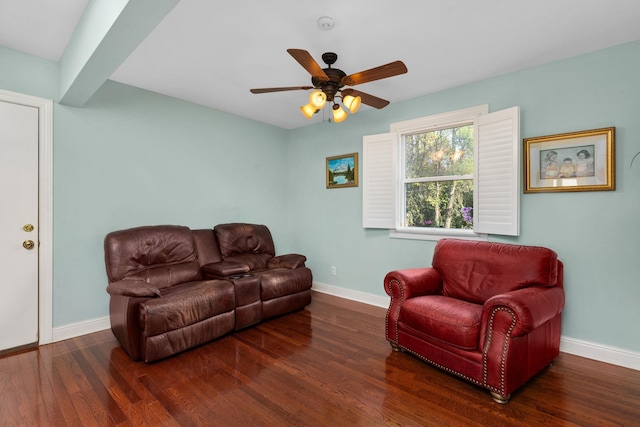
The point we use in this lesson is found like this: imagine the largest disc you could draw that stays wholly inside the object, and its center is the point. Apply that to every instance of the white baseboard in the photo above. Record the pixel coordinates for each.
(73, 330)
(350, 294)
(602, 353)
(590, 350)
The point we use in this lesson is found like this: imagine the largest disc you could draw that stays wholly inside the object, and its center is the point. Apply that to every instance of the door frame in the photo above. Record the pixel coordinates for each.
(45, 208)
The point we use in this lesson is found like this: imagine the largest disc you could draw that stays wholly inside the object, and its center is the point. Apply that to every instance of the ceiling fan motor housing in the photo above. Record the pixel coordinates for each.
(333, 85)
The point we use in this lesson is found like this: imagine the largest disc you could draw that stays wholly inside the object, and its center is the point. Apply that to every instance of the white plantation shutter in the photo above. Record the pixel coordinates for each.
(497, 173)
(379, 181)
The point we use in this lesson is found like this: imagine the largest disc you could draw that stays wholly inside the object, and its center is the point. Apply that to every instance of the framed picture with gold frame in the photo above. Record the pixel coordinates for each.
(342, 171)
(575, 161)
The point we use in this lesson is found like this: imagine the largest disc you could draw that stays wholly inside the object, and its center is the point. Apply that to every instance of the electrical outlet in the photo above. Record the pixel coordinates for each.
(333, 270)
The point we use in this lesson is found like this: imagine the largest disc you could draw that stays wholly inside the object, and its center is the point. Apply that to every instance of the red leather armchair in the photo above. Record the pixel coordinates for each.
(487, 312)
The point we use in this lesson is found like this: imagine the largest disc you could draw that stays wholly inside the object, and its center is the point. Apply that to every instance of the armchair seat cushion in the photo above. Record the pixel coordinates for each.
(186, 305)
(445, 319)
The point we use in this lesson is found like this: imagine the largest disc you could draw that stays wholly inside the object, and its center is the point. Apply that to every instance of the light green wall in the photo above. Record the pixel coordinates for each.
(594, 233)
(131, 157)
(27, 74)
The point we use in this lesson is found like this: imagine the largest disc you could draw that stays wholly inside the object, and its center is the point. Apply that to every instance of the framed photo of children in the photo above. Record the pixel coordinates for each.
(575, 161)
(342, 171)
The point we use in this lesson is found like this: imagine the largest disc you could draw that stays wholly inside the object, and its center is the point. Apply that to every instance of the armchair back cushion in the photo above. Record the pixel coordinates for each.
(477, 271)
(162, 255)
(249, 244)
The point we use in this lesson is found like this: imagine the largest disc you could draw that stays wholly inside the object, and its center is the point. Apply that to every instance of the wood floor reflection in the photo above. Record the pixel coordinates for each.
(327, 365)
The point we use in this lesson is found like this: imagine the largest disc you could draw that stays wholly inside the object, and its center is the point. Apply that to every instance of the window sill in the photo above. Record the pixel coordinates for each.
(435, 234)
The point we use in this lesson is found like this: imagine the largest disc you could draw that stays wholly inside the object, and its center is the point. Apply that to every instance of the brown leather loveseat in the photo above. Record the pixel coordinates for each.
(172, 288)
(490, 313)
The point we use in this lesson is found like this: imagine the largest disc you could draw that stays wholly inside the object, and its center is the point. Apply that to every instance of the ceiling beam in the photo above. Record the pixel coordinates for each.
(107, 33)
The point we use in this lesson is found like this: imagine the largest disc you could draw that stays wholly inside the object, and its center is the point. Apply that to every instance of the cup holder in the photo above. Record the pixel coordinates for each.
(239, 276)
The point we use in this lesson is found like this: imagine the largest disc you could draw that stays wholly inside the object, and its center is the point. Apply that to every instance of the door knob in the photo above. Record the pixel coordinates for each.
(28, 227)
(28, 244)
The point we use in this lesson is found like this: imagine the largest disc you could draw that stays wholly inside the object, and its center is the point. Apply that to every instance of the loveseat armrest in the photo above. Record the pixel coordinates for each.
(224, 269)
(290, 261)
(133, 288)
(531, 307)
(401, 285)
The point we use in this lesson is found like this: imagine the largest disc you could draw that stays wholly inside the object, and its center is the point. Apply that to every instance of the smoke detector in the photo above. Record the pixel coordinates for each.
(325, 23)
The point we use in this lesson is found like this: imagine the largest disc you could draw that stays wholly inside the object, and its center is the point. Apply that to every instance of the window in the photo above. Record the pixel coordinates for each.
(437, 178)
(452, 174)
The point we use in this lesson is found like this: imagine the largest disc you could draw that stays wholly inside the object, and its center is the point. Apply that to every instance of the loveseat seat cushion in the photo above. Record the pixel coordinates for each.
(185, 305)
(280, 282)
(249, 244)
(445, 319)
(476, 271)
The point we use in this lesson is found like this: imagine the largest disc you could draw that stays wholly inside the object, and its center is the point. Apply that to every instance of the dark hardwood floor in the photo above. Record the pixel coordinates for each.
(327, 365)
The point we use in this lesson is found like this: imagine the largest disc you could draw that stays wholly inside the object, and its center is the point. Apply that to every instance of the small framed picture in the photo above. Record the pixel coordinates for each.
(575, 161)
(342, 171)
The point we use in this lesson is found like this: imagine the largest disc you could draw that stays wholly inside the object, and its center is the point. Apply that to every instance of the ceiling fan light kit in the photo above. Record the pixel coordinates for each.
(308, 110)
(338, 113)
(352, 102)
(328, 85)
(317, 99)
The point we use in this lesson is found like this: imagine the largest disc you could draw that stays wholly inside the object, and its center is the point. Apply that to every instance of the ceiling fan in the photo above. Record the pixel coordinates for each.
(328, 84)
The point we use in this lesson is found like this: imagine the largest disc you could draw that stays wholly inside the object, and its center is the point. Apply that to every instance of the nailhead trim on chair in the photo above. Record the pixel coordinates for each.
(444, 368)
(386, 319)
(505, 348)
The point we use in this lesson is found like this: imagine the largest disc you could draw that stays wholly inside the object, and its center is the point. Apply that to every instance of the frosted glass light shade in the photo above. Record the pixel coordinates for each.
(308, 110)
(317, 98)
(352, 102)
(338, 114)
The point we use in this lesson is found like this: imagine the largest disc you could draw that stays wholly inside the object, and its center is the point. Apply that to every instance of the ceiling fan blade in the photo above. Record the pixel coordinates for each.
(382, 72)
(371, 100)
(308, 63)
(279, 89)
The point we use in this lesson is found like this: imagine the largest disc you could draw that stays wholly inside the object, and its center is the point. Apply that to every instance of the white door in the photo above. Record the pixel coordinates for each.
(18, 225)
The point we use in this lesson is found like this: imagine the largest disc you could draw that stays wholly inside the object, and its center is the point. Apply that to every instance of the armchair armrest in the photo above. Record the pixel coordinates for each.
(401, 285)
(132, 288)
(532, 307)
(224, 269)
(404, 284)
(290, 261)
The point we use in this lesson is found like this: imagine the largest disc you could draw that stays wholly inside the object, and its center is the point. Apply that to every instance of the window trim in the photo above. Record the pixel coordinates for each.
(434, 122)
(496, 132)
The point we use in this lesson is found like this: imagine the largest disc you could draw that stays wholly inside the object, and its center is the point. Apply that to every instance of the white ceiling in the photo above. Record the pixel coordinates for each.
(212, 52)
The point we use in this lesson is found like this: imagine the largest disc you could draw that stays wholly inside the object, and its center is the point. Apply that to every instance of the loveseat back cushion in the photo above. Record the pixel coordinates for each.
(206, 246)
(162, 255)
(249, 244)
(476, 271)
